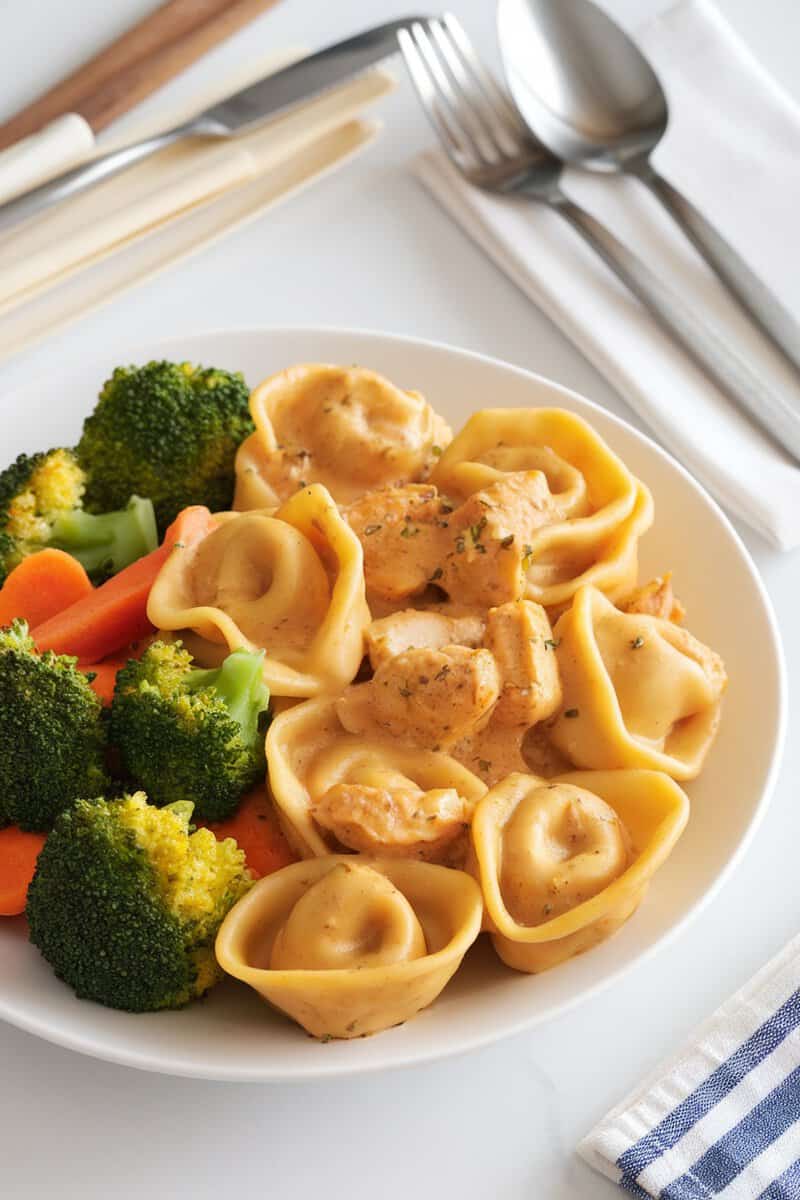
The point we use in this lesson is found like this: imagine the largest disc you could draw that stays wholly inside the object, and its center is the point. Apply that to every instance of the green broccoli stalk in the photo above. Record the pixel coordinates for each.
(165, 430)
(40, 505)
(190, 734)
(125, 902)
(52, 733)
(109, 542)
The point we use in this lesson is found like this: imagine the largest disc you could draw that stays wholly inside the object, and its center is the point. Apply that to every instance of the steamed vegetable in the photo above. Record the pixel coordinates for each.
(114, 615)
(52, 733)
(41, 504)
(188, 734)
(126, 902)
(255, 829)
(42, 585)
(18, 854)
(165, 430)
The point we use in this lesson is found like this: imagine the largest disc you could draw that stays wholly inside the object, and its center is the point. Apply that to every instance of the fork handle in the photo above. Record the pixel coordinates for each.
(773, 411)
(80, 179)
(751, 292)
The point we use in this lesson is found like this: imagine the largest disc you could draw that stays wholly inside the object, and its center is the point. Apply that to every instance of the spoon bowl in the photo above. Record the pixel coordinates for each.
(580, 82)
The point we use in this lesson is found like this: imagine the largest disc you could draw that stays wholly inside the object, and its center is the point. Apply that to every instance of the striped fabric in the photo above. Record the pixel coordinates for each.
(722, 1118)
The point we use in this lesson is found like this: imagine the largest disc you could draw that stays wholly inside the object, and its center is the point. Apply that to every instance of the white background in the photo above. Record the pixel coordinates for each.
(368, 248)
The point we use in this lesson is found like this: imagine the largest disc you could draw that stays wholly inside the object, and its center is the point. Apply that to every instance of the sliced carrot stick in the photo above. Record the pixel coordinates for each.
(18, 854)
(254, 826)
(114, 615)
(42, 585)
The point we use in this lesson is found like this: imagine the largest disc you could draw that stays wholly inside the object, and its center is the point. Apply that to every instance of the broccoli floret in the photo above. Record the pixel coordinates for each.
(188, 734)
(165, 430)
(125, 902)
(52, 733)
(40, 505)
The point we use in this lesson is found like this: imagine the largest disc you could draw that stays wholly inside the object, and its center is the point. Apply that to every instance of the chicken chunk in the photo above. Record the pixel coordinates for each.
(400, 533)
(519, 636)
(417, 629)
(431, 698)
(655, 599)
(490, 548)
(391, 820)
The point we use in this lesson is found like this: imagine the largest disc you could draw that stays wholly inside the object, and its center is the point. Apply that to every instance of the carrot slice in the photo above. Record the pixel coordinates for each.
(114, 615)
(42, 585)
(255, 828)
(18, 854)
(105, 672)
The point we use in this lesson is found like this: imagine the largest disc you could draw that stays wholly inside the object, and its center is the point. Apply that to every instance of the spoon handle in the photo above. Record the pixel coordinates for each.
(753, 295)
(773, 411)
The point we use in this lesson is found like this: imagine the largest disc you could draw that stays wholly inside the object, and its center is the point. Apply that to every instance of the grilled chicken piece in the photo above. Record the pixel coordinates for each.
(417, 629)
(400, 534)
(393, 820)
(431, 698)
(655, 599)
(519, 636)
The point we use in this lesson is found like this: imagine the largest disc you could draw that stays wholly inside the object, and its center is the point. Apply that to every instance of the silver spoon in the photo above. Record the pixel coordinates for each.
(584, 87)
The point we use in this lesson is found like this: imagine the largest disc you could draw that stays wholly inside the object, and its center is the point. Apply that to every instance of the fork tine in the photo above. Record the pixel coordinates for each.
(449, 136)
(472, 132)
(465, 55)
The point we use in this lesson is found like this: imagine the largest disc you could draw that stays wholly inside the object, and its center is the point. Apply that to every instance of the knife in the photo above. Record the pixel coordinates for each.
(237, 114)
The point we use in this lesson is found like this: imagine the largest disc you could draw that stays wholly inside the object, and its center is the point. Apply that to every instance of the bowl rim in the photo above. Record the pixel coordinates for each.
(84, 1043)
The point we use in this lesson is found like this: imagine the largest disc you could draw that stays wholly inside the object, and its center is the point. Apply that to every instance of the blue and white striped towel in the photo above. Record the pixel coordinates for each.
(721, 1118)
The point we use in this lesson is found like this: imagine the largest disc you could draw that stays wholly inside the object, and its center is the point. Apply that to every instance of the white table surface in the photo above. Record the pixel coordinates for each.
(368, 248)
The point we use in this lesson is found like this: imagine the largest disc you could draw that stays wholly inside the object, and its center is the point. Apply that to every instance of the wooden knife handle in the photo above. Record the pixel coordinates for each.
(160, 46)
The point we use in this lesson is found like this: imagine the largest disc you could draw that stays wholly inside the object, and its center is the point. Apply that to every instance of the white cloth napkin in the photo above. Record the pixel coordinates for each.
(722, 1118)
(733, 146)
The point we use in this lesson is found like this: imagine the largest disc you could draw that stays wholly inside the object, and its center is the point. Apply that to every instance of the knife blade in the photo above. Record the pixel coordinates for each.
(269, 97)
(305, 79)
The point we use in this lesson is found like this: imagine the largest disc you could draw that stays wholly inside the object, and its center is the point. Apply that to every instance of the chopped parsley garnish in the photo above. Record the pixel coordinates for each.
(436, 450)
(552, 643)
(460, 544)
(370, 529)
(437, 574)
(477, 530)
(507, 541)
(637, 643)
(409, 531)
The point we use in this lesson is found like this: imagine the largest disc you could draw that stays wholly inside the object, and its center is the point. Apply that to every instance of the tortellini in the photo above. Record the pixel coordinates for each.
(344, 427)
(563, 863)
(334, 790)
(349, 946)
(291, 583)
(594, 511)
(639, 691)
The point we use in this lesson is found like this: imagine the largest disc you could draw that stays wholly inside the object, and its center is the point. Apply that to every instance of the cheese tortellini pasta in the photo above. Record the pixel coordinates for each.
(334, 790)
(291, 583)
(639, 690)
(348, 946)
(344, 427)
(564, 862)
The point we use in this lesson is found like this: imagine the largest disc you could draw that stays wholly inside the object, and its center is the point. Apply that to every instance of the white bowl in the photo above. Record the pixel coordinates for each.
(232, 1035)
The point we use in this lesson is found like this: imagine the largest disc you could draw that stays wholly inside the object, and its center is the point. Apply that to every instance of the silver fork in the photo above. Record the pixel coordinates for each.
(485, 138)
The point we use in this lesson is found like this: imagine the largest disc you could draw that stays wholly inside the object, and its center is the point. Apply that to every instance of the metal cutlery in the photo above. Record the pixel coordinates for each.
(585, 88)
(486, 139)
(236, 114)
